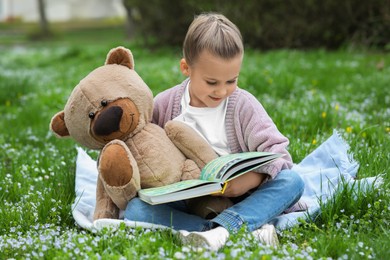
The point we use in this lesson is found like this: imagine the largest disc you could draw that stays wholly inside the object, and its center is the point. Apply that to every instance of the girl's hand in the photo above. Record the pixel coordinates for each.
(243, 184)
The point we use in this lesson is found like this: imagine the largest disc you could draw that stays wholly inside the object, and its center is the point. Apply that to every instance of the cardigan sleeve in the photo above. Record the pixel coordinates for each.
(167, 104)
(160, 109)
(259, 133)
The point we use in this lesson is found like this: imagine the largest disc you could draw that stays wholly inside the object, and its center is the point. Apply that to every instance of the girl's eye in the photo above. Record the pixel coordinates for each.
(231, 81)
(211, 82)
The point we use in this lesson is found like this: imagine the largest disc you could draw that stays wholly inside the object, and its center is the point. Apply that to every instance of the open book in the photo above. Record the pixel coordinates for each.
(213, 177)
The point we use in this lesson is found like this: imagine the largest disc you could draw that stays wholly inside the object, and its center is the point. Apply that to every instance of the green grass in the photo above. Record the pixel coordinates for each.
(308, 94)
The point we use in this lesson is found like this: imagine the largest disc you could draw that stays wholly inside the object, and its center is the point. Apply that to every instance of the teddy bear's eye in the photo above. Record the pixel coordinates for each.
(91, 115)
(104, 103)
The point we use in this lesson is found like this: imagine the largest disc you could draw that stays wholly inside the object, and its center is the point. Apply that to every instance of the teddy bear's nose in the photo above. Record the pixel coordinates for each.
(108, 121)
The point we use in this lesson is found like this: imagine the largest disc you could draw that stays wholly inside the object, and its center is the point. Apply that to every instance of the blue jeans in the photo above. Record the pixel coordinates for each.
(260, 207)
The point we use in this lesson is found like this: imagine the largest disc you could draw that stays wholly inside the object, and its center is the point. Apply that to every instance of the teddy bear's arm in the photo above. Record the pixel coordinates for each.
(190, 143)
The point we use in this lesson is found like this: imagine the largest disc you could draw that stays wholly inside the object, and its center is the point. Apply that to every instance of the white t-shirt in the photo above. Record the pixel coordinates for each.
(208, 122)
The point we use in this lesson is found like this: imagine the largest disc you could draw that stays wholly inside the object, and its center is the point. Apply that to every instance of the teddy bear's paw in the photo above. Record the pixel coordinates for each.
(121, 195)
(119, 174)
(190, 170)
(114, 164)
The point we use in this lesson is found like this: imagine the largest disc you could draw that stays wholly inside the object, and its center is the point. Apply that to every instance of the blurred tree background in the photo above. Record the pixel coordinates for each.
(269, 24)
(264, 24)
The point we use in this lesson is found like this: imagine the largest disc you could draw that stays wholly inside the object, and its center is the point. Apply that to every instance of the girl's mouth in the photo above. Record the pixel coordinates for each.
(215, 99)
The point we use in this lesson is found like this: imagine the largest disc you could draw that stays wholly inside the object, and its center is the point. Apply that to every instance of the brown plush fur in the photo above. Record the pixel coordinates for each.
(111, 110)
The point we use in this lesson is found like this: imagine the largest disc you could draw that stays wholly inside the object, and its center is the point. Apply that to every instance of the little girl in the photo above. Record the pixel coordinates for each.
(232, 120)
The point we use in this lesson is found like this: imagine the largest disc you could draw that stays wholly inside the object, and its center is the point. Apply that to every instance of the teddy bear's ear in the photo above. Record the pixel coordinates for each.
(120, 55)
(58, 126)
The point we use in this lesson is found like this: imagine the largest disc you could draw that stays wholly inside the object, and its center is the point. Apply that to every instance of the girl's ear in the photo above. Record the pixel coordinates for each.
(185, 69)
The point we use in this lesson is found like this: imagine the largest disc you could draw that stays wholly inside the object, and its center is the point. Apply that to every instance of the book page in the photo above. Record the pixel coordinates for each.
(215, 169)
(246, 166)
(223, 167)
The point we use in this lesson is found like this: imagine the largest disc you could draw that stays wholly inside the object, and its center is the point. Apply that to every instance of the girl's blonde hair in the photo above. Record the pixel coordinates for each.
(214, 33)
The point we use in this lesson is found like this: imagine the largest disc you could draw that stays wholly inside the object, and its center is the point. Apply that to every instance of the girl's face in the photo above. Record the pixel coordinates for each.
(212, 78)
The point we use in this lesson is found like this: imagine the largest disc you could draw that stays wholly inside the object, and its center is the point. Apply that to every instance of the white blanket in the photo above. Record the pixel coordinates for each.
(324, 171)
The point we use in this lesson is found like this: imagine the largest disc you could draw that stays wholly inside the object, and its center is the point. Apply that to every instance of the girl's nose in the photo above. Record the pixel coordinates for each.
(220, 92)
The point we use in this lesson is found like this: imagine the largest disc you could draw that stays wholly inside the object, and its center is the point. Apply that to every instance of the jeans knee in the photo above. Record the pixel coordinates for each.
(133, 206)
(298, 180)
(293, 179)
(134, 202)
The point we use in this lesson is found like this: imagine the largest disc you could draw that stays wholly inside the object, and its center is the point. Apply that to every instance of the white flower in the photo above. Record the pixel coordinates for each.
(179, 255)
(234, 252)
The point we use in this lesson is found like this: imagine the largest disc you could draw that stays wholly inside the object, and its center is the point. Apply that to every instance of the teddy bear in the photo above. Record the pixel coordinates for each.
(110, 110)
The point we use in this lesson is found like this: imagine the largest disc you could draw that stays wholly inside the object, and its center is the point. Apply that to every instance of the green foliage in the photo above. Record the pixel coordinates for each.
(358, 214)
(308, 94)
(270, 24)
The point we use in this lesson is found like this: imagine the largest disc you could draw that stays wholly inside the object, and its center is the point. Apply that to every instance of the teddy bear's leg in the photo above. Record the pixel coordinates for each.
(104, 208)
(119, 173)
(208, 207)
(190, 143)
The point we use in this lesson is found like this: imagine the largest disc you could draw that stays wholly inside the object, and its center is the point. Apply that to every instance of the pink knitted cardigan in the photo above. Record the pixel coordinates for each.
(248, 126)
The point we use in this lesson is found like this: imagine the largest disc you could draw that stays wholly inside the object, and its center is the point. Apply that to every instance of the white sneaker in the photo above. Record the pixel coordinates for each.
(214, 239)
(267, 235)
